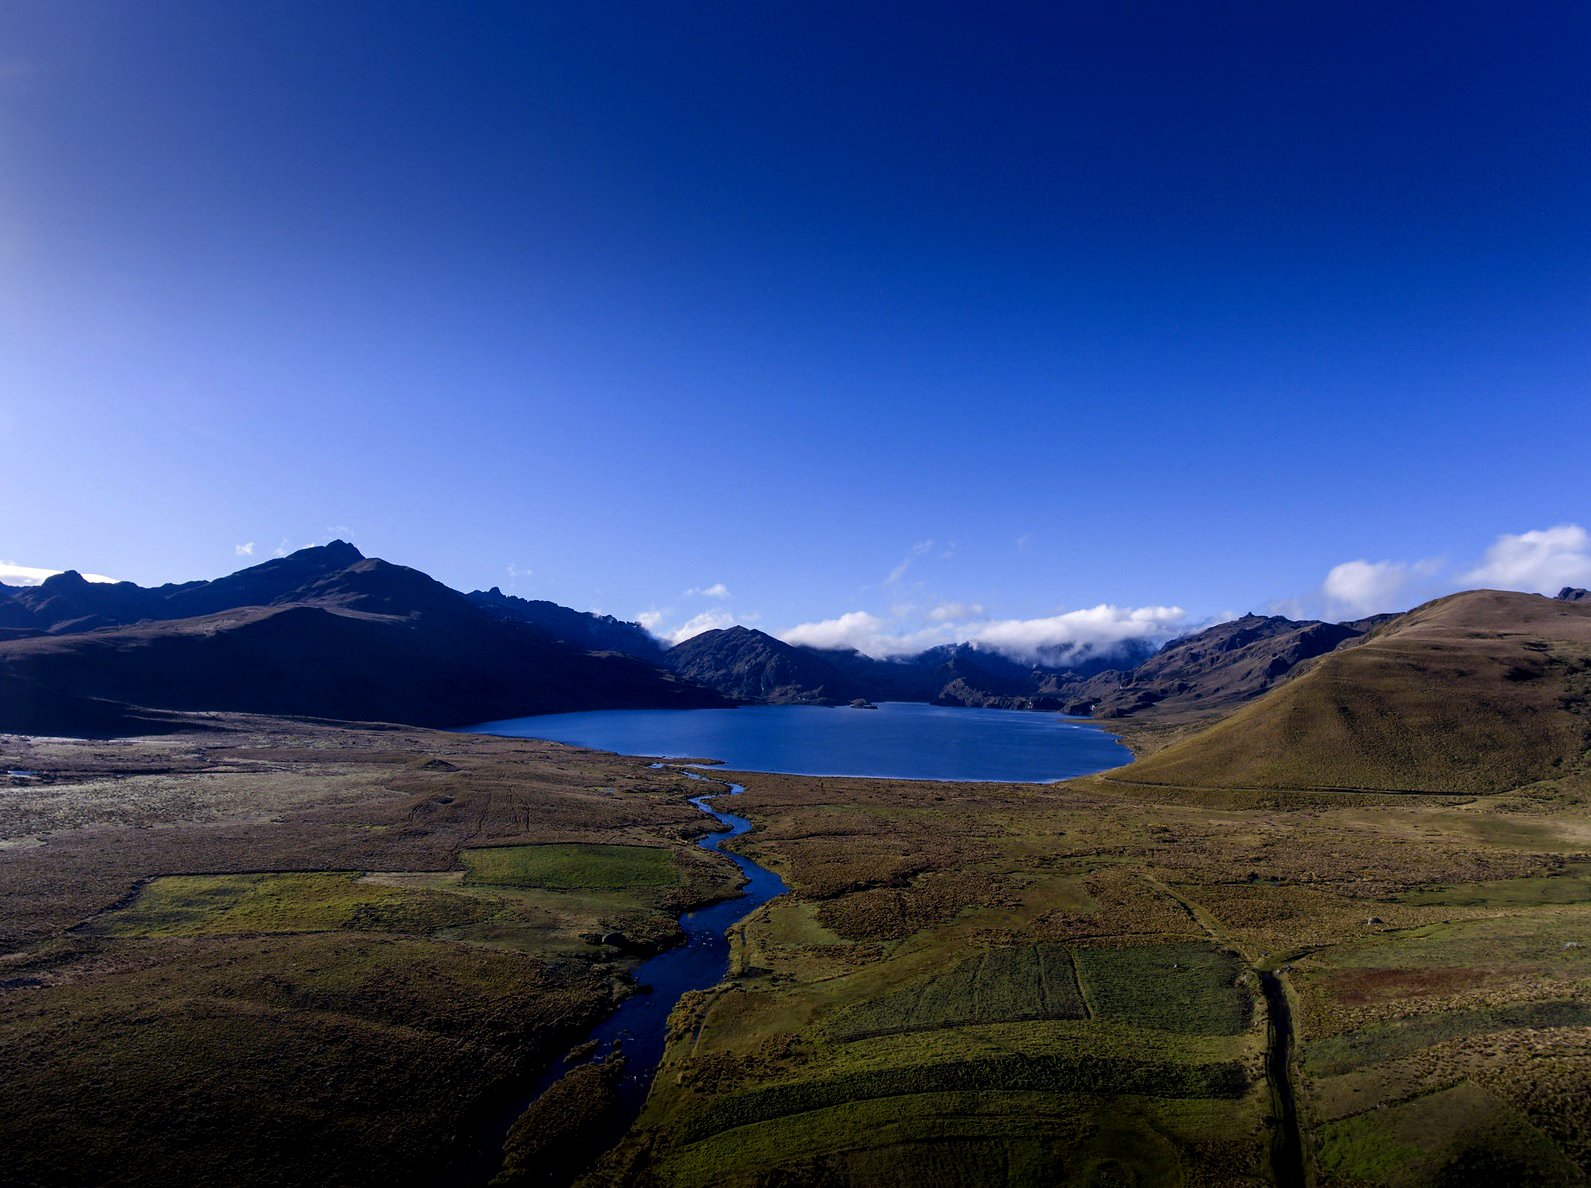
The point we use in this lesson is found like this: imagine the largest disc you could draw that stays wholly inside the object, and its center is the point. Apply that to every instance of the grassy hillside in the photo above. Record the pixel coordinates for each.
(1477, 692)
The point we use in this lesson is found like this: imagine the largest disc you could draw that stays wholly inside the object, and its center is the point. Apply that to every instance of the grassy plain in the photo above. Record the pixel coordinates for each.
(1026, 985)
(280, 953)
(285, 953)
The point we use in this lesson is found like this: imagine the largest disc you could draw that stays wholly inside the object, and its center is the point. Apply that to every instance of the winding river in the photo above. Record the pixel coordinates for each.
(639, 1025)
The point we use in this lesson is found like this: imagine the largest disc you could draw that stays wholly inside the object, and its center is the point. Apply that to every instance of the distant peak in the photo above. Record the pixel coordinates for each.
(339, 551)
(67, 578)
(1574, 594)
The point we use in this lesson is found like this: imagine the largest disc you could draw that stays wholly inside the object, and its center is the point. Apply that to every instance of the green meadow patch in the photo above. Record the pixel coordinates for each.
(1551, 942)
(1003, 985)
(560, 867)
(1387, 1041)
(952, 1138)
(1189, 987)
(1023, 1073)
(1458, 1136)
(1572, 886)
(220, 905)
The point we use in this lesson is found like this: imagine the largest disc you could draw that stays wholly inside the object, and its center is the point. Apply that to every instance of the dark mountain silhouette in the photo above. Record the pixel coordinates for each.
(596, 633)
(752, 665)
(68, 603)
(324, 632)
(1574, 594)
(1217, 668)
(1207, 672)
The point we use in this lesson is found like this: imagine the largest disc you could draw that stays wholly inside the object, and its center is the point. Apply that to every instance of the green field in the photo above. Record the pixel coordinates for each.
(1573, 885)
(1019, 1073)
(1372, 1044)
(217, 905)
(1458, 1136)
(1011, 1137)
(1190, 988)
(571, 867)
(1002, 985)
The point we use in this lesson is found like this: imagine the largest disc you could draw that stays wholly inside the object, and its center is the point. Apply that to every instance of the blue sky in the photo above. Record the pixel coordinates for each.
(1004, 312)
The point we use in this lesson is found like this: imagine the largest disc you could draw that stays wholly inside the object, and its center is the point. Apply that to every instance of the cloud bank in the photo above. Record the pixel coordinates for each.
(1539, 561)
(1068, 637)
(1356, 589)
(12, 574)
(1076, 635)
(867, 633)
(1543, 561)
(712, 620)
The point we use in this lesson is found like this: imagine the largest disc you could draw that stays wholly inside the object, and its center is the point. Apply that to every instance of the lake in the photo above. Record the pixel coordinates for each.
(898, 740)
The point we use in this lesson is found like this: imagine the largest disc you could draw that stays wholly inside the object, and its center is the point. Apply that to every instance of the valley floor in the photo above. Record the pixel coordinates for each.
(276, 952)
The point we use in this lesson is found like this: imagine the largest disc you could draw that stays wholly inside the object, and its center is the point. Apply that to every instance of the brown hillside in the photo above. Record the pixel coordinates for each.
(1477, 692)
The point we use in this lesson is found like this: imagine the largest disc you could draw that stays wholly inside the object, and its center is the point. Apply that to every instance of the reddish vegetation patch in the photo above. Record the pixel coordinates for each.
(1355, 987)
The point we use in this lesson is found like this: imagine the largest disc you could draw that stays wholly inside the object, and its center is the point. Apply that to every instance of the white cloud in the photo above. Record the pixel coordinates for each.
(716, 590)
(1544, 560)
(706, 621)
(868, 634)
(244, 550)
(948, 611)
(12, 574)
(1070, 636)
(1358, 588)
(847, 631)
(650, 619)
(1080, 633)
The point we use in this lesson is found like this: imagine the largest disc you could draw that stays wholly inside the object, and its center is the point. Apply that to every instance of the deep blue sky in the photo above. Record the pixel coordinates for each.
(1157, 304)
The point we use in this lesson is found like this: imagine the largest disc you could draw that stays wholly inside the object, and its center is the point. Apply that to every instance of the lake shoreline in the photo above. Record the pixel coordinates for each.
(911, 741)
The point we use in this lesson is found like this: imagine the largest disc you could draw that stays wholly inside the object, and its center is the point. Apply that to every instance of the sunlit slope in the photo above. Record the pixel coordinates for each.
(1477, 692)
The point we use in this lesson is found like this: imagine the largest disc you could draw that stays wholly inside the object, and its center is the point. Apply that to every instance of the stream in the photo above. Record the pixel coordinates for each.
(1287, 1146)
(638, 1027)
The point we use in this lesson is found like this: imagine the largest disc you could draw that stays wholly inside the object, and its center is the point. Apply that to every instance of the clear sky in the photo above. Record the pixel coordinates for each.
(1004, 311)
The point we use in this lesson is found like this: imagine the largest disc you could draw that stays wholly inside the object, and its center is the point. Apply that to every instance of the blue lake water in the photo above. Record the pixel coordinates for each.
(898, 740)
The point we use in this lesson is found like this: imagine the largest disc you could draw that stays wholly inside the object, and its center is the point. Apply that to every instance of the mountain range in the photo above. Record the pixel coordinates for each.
(327, 632)
(1221, 666)
(323, 632)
